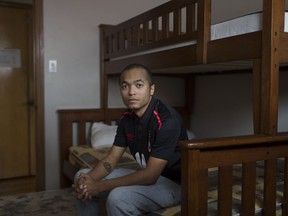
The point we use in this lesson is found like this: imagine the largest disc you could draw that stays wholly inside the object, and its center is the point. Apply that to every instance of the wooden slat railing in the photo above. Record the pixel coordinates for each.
(200, 155)
(158, 27)
(225, 190)
(249, 187)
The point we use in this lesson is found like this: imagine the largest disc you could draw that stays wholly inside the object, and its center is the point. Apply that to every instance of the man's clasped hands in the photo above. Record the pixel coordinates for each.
(85, 187)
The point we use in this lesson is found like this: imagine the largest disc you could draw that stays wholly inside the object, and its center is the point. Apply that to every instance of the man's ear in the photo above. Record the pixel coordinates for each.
(152, 89)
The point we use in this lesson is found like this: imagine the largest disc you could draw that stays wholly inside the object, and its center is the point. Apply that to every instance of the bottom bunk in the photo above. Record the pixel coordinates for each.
(85, 156)
(225, 176)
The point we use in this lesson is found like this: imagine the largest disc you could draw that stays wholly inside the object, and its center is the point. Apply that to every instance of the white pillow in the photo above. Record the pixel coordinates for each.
(102, 135)
(190, 135)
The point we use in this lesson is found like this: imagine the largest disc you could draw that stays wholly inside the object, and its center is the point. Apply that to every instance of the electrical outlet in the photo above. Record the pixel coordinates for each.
(52, 66)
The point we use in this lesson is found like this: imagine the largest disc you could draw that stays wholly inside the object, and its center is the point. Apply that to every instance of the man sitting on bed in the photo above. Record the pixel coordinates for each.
(151, 130)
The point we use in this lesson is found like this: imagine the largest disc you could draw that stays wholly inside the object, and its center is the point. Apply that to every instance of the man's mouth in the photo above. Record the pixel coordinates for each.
(132, 101)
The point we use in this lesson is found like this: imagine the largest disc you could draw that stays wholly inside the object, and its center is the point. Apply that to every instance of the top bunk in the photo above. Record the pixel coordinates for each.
(179, 36)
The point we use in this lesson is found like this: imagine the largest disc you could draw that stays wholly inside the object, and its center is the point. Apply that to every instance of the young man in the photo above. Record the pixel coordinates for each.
(151, 130)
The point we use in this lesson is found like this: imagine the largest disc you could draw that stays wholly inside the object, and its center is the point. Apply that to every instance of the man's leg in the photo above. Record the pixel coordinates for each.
(90, 207)
(136, 200)
(86, 207)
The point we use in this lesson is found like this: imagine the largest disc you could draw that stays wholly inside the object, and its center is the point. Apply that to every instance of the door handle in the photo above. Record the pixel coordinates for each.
(31, 103)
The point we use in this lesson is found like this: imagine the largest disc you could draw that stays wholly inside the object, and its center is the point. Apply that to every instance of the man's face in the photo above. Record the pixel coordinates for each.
(135, 90)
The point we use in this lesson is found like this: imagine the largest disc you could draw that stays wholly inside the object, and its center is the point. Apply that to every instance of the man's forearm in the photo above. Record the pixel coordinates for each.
(140, 177)
(102, 169)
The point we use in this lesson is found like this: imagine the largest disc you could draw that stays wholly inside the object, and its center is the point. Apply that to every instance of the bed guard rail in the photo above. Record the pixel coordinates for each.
(170, 23)
(200, 155)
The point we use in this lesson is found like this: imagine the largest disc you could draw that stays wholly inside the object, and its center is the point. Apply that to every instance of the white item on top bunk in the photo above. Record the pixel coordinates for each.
(241, 25)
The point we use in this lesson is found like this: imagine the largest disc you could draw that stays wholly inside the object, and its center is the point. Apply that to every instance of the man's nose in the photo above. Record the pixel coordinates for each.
(132, 90)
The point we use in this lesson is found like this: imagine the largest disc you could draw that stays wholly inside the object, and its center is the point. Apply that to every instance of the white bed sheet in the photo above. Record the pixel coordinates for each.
(241, 25)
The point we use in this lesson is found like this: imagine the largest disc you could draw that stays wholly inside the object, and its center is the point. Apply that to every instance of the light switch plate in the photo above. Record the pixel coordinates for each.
(52, 66)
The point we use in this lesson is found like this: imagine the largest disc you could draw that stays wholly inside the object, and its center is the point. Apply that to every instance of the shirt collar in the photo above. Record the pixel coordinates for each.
(149, 111)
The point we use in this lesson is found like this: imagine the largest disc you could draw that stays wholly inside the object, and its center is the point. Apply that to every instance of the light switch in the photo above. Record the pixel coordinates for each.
(52, 66)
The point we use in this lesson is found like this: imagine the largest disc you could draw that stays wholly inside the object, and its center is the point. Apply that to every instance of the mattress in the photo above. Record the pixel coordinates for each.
(241, 25)
(85, 156)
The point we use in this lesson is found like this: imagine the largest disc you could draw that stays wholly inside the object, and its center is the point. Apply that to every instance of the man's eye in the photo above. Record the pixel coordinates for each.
(123, 86)
(139, 85)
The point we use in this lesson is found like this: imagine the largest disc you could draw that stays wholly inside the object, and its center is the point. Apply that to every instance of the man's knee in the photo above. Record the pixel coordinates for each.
(116, 195)
(124, 201)
(119, 203)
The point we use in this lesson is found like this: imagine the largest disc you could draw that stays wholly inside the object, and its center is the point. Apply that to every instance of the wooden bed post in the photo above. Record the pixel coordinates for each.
(272, 23)
(65, 140)
(256, 96)
(194, 184)
(105, 48)
(103, 79)
(189, 95)
(204, 30)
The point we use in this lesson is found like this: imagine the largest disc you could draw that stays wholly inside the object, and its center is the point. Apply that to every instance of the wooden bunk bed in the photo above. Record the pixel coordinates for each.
(175, 39)
(144, 39)
(220, 175)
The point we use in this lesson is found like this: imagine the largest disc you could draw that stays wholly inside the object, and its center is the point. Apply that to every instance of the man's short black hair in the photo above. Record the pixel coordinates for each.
(135, 66)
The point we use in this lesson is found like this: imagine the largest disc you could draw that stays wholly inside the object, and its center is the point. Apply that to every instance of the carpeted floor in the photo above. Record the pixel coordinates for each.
(46, 203)
(56, 203)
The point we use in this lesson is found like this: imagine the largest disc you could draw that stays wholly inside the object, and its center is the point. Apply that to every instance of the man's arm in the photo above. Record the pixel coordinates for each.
(146, 176)
(107, 164)
(102, 168)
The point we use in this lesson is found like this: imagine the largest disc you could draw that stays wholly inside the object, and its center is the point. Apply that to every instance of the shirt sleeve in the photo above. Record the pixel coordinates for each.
(120, 138)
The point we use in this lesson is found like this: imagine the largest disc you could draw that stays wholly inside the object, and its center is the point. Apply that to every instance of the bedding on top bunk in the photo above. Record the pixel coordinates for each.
(88, 155)
(241, 25)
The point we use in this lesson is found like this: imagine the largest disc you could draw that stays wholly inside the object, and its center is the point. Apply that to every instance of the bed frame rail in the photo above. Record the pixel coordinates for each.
(199, 155)
(170, 23)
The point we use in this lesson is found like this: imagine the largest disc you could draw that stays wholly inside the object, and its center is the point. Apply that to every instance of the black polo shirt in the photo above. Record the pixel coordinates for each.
(155, 134)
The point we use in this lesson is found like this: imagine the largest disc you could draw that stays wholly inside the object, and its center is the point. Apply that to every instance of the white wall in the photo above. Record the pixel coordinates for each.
(223, 105)
(228, 9)
(283, 103)
(71, 37)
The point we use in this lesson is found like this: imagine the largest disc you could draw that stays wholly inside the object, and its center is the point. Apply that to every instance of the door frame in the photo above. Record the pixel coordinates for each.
(38, 71)
(38, 67)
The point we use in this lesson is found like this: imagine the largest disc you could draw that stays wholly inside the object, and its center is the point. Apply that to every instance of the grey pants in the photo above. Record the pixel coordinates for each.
(133, 200)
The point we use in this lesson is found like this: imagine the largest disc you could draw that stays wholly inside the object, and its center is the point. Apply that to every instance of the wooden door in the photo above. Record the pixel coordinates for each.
(17, 110)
